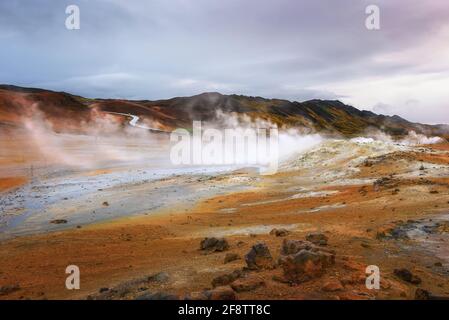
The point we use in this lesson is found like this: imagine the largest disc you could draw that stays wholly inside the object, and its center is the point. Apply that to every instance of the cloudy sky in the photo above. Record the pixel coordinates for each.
(292, 49)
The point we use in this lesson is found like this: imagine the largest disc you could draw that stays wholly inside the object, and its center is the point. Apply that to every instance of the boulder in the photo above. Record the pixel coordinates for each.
(259, 257)
(306, 265)
(214, 244)
(317, 238)
(220, 293)
(294, 246)
(279, 232)
(407, 276)
(226, 279)
(421, 294)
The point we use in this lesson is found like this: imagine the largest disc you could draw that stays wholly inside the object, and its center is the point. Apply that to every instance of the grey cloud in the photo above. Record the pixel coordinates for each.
(181, 47)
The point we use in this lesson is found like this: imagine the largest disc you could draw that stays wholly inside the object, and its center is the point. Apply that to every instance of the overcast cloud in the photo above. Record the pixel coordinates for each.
(297, 50)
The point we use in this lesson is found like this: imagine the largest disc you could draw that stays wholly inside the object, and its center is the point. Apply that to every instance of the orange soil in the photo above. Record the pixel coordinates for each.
(11, 183)
(112, 252)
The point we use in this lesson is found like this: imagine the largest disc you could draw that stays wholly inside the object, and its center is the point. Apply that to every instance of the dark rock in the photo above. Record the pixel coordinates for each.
(161, 277)
(220, 293)
(421, 294)
(103, 290)
(279, 232)
(407, 276)
(247, 284)
(317, 238)
(58, 221)
(214, 244)
(306, 265)
(231, 257)
(294, 246)
(106, 204)
(226, 279)
(259, 257)
(385, 182)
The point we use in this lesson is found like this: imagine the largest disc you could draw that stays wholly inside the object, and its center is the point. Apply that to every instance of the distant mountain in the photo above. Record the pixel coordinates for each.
(67, 112)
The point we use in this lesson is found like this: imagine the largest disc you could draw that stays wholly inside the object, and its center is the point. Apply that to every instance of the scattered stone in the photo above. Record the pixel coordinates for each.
(317, 238)
(259, 257)
(442, 227)
(220, 293)
(421, 294)
(385, 182)
(214, 244)
(290, 247)
(247, 284)
(294, 246)
(231, 257)
(279, 232)
(161, 277)
(226, 279)
(306, 265)
(407, 276)
(58, 221)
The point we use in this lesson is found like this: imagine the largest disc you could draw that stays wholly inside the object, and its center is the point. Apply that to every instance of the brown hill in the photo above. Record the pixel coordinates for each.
(68, 112)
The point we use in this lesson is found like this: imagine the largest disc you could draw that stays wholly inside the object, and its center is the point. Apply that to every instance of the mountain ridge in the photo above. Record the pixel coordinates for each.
(317, 115)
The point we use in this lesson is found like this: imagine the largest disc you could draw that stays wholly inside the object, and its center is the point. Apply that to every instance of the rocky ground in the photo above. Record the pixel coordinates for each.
(308, 232)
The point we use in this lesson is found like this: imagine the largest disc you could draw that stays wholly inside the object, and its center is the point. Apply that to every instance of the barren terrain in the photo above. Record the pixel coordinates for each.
(134, 226)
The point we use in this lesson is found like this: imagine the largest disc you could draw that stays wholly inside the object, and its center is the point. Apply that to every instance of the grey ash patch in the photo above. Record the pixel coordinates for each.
(429, 235)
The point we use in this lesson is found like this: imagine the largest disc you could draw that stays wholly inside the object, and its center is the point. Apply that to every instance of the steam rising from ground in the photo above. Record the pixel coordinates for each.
(106, 141)
(291, 140)
(411, 139)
